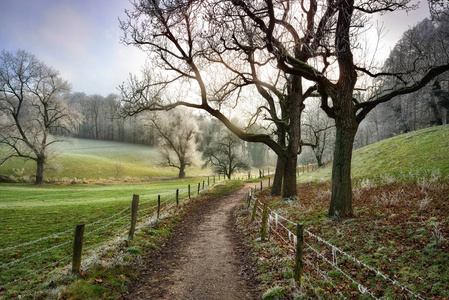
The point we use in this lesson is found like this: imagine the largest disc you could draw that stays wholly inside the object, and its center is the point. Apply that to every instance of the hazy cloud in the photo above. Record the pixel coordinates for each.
(65, 29)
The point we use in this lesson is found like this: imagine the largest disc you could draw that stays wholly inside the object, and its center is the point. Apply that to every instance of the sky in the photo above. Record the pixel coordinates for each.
(81, 38)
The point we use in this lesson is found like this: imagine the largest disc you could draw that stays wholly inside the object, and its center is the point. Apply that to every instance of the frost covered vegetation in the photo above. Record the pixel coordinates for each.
(400, 226)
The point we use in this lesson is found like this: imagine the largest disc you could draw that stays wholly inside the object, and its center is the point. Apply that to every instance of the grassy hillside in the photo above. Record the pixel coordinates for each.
(407, 156)
(400, 226)
(92, 159)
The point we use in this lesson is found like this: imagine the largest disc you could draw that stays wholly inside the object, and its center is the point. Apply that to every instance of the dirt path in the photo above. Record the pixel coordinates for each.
(203, 260)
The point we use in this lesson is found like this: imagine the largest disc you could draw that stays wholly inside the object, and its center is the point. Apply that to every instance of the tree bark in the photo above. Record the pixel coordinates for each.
(295, 106)
(341, 199)
(276, 188)
(182, 172)
(289, 186)
(40, 161)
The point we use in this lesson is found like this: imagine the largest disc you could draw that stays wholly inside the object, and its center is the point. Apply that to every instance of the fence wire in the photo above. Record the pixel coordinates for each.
(291, 241)
(166, 206)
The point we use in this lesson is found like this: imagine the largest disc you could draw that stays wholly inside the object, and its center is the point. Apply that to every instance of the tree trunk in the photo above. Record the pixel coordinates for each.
(295, 106)
(318, 157)
(289, 186)
(277, 180)
(182, 172)
(341, 199)
(40, 161)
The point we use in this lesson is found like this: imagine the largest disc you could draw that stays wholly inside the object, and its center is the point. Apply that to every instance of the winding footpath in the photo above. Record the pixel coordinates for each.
(202, 260)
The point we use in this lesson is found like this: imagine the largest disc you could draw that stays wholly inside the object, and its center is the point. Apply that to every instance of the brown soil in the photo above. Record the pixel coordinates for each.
(204, 259)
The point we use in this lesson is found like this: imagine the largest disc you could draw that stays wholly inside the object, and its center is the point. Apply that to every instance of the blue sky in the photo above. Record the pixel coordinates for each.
(81, 38)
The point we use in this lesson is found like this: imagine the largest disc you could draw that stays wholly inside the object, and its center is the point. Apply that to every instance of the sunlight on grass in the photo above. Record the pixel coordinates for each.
(93, 159)
(404, 157)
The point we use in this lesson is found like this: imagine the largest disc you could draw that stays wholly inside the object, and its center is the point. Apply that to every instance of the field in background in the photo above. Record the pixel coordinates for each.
(408, 156)
(93, 159)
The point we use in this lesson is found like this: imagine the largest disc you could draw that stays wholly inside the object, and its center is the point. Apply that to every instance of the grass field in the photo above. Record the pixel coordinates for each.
(408, 156)
(93, 159)
(48, 214)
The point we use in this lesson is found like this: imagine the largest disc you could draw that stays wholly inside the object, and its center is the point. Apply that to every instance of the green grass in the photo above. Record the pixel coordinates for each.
(400, 225)
(93, 159)
(29, 213)
(109, 282)
(408, 156)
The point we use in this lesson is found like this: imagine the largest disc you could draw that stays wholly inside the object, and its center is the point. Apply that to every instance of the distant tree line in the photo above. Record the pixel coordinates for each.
(101, 120)
(429, 106)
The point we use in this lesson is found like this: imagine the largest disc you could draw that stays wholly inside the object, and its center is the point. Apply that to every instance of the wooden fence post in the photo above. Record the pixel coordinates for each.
(199, 186)
(253, 217)
(134, 208)
(269, 184)
(177, 197)
(203, 184)
(158, 206)
(263, 233)
(208, 181)
(77, 248)
(189, 191)
(261, 186)
(299, 264)
(249, 199)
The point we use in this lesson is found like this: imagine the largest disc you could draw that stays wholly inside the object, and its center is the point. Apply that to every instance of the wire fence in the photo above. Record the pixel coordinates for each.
(28, 264)
(327, 266)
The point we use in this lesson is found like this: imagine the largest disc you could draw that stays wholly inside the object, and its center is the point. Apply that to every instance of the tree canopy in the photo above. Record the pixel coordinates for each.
(218, 52)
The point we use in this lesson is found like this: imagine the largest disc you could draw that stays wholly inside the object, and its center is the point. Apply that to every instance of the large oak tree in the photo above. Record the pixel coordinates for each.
(333, 27)
(222, 46)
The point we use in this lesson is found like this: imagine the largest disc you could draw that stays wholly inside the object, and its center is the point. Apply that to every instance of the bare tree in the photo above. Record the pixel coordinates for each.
(424, 107)
(318, 133)
(195, 39)
(32, 104)
(225, 155)
(332, 27)
(312, 41)
(178, 133)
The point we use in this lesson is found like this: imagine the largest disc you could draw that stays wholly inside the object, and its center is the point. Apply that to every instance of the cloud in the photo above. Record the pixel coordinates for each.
(65, 29)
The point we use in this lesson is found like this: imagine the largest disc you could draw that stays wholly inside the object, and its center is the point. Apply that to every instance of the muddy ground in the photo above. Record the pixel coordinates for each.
(204, 259)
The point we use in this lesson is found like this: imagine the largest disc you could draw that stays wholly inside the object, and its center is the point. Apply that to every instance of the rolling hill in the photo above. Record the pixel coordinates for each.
(408, 155)
(93, 159)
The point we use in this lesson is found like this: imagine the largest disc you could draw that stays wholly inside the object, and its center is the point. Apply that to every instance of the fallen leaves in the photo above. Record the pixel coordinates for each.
(395, 238)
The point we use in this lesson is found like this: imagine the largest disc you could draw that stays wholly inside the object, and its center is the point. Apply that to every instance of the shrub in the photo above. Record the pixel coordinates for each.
(275, 293)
